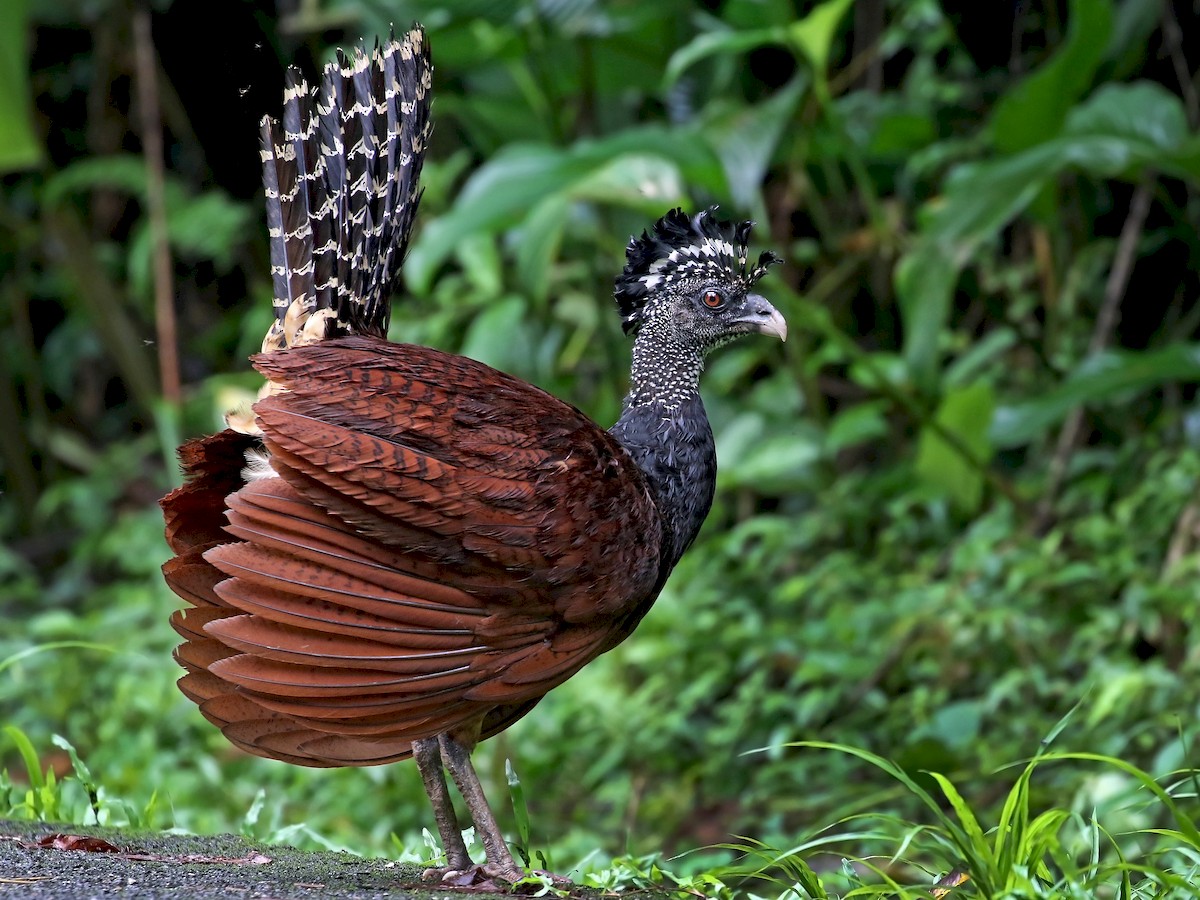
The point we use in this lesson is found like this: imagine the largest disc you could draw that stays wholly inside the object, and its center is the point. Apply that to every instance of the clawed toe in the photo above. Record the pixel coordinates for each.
(486, 877)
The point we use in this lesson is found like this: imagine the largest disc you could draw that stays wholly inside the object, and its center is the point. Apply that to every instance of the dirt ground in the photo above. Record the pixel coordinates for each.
(56, 862)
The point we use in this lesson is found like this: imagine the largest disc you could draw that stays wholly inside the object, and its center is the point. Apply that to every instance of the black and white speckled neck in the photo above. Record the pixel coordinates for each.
(666, 368)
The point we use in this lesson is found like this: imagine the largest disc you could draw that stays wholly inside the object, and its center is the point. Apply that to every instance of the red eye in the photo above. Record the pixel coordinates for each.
(713, 299)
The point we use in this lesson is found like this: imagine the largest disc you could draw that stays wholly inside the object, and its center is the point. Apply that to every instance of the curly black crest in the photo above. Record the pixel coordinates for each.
(682, 249)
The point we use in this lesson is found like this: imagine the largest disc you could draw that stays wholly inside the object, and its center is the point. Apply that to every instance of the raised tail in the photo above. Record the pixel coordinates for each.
(341, 173)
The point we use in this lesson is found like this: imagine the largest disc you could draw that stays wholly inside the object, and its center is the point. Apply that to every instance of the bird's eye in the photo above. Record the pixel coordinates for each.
(713, 299)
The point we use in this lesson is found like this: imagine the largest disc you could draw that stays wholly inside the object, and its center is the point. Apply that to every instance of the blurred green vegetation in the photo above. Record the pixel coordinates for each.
(958, 503)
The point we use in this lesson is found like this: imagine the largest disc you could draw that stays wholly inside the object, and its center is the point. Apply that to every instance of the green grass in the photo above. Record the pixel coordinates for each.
(1024, 852)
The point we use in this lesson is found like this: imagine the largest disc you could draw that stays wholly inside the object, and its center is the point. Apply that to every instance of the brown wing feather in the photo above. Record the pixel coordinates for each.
(444, 545)
(583, 518)
(195, 512)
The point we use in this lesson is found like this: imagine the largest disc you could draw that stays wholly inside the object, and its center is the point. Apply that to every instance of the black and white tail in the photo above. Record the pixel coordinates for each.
(341, 172)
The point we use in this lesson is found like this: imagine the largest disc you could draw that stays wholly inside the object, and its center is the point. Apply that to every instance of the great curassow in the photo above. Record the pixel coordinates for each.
(400, 551)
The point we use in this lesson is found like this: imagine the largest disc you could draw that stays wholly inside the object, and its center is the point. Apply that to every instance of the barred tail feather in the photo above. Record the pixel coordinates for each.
(408, 86)
(341, 174)
(299, 186)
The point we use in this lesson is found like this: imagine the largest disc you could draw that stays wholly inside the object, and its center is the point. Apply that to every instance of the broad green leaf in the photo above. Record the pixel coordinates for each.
(745, 139)
(632, 180)
(19, 145)
(777, 463)
(1122, 131)
(539, 242)
(750, 13)
(480, 261)
(713, 43)
(1132, 126)
(859, 424)
(925, 278)
(501, 336)
(976, 359)
(813, 35)
(756, 453)
(1133, 23)
(1104, 377)
(122, 172)
(501, 193)
(1035, 110)
(966, 413)
(887, 127)
(515, 180)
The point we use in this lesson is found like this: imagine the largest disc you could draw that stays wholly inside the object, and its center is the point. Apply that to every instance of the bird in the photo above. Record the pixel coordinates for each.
(398, 551)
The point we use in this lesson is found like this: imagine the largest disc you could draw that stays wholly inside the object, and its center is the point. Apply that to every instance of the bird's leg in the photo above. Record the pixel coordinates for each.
(457, 758)
(429, 761)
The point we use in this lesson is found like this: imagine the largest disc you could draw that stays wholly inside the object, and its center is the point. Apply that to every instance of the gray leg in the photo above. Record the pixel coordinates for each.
(429, 762)
(458, 760)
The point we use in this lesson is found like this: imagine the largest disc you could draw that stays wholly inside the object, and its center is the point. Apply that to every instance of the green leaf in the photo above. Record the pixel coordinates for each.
(1035, 110)
(753, 454)
(33, 766)
(924, 279)
(614, 169)
(748, 13)
(629, 179)
(1122, 131)
(966, 413)
(715, 43)
(975, 360)
(516, 793)
(813, 35)
(19, 145)
(123, 172)
(745, 139)
(501, 336)
(979, 845)
(35, 649)
(1132, 126)
(82, 772)
(1014, 817)
(480, 261)
(1104, 377)
(538, 246)
(1133, 23)
(1187, 827)
(859, 424)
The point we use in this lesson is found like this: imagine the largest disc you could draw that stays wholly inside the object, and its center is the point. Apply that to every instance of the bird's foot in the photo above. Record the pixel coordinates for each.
(487, 877)
(475, 875)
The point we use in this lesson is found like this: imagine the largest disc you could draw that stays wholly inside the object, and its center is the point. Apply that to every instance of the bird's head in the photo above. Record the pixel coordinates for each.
(687, 280)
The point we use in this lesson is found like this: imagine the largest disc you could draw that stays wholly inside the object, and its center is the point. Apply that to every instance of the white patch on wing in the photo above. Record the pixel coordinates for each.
(258, 466)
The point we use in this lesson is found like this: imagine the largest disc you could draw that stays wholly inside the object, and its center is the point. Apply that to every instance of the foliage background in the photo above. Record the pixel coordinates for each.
(960, 501)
